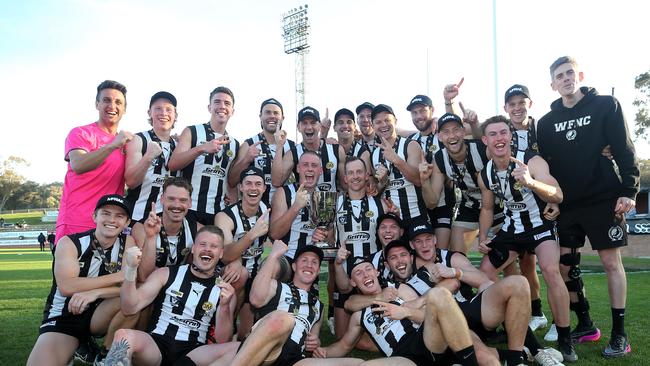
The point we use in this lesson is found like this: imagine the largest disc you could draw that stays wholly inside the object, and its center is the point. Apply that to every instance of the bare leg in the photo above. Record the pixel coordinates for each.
(224, 352)
(508, 300)
(616, 279)
(443, 235)
(462, 238)
(245, 321)
(52, 349)
(341, 320)
(548, 254)
(444, 323)
(133, 346)
(265, 341)
(389, 361)
(528, 266)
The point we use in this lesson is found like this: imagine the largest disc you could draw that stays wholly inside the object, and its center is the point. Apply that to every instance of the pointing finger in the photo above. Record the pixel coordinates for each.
(462, 107)
(517, 161)
(462, 79)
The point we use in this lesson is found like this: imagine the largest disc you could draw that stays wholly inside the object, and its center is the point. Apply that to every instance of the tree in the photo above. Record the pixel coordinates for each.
(642, 84)
(10, 179)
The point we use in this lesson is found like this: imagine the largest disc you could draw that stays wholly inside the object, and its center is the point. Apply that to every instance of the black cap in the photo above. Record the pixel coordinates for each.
(397, 243)
(308, 111)
(250, 171)
(392, 216)
(381, 108)
(114, 199)
(309, 248)
(271, 101)
(419, 227)
(419, 99)
(165, 95)
(357, 261)
(516, 89)
(448, 117)
(343, 112)
(364, 105)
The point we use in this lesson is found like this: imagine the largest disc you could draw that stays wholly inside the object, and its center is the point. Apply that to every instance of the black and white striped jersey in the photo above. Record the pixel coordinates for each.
(356, 223)
(172, 250)
(429, 143)
(379, 263)
(329, 154)
(252, 256)
(264, 160)
(357, 149)
(303, 305)
(301, 229)
(523, 209)
(523, 140)
(420, 281)
(208, 174)
(91, 264)
(140, 198)
(185, 307)
(404, 194)
(465, 174)
(389, 335)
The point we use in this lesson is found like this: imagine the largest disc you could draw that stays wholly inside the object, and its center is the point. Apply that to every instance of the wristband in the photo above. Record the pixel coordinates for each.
(449, 103)
(130, 273)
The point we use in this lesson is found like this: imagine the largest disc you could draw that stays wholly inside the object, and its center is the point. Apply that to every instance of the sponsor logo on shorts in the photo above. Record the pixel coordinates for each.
(190, 323)
(615, 233)
(49, 324)
(542, 235)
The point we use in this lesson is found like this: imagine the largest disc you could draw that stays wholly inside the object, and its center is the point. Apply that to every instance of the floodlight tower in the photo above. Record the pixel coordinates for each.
(295, 30)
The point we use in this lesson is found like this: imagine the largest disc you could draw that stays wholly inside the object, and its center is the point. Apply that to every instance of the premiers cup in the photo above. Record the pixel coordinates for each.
(322, 214)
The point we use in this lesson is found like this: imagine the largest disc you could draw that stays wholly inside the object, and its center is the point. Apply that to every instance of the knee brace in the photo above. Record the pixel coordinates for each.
(575, 283)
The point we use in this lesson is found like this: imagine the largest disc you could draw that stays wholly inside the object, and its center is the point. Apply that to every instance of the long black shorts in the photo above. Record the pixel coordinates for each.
(77, 326)
(598, 222)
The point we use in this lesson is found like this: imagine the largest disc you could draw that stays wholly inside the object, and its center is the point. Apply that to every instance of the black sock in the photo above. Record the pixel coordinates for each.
(330, 311)
(467, 356)
(513, 357)
(531, 342)
(563, 334)
(618, 321)
(536, 307)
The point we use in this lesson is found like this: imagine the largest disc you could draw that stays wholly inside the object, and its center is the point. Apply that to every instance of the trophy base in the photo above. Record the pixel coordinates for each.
(329, 250)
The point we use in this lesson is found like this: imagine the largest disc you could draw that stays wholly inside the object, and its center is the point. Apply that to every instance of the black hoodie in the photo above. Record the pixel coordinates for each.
(572, 139)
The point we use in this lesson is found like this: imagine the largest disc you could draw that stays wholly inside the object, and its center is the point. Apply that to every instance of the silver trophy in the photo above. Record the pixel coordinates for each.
(322, 214)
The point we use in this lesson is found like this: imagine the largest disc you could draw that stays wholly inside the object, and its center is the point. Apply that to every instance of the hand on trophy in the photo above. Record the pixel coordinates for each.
(319, 235)
(342, 254)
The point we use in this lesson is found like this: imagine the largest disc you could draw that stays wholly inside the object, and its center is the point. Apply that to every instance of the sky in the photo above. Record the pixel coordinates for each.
(53, 54)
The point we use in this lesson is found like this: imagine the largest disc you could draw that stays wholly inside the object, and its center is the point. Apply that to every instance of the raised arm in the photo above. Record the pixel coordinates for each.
(134, 299)
(432, 183)
(146, 236)
(233, 249)
(264, 285)
(282, 163)
(281, 215)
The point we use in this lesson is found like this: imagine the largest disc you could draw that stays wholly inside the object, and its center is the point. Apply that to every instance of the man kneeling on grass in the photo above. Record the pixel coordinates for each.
(186, 299)
(83, 301)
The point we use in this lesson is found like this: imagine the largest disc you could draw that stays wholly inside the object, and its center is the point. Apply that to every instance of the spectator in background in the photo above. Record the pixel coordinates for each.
(41, 241)
(51, 239)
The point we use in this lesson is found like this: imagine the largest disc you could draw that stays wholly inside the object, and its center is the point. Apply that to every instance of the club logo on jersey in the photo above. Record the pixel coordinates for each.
(516, 206)
(216, 171)
(207, 306)
(343, 219)
(190, 323)
(260, 161)
(615, 233)
(570, 124)
(329, 165)
(324, 187)
(571, 135)
(230, 153)
(433, 148)
(395, 184)
(358, 237)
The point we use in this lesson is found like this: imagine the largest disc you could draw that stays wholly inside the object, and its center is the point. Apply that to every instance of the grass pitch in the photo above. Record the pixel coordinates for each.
(25, 280)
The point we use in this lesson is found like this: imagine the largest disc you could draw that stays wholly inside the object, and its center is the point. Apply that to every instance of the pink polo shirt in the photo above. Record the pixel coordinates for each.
(82, 191)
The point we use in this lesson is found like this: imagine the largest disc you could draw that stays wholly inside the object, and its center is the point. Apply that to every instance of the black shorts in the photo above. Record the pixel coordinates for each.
(171, 350)
(471, 216)
(77, 326)
(440, 216)
(525, 242)
(415, 350)
(472, 311)
(202, 217)
(598, 222)
(291, 353)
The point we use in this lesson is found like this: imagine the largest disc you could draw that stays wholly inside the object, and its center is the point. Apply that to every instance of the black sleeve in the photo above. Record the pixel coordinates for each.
(618, 138)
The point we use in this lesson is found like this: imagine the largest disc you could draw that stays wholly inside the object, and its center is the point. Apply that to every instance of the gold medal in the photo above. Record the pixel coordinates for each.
(111, 267)
(518, 186)
(185, 251)
(370, 214)
(230, 153)
(329, 165)
(218, 280)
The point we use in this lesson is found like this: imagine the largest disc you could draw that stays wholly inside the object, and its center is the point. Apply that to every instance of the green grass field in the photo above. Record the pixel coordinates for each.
(25, 280)
(31, 218)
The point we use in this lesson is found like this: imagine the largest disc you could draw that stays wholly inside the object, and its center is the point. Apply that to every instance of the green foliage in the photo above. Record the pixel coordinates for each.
(10, 178)
(642, 119)
(33, 195)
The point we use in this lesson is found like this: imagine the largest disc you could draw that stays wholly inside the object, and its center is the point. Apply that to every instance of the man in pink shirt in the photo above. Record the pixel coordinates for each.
(95, 161)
